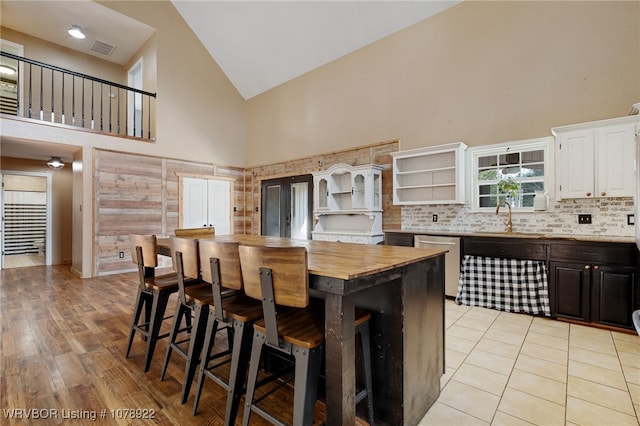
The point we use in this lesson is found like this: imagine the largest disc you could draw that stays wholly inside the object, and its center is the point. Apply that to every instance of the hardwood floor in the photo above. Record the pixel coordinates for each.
(62, 348)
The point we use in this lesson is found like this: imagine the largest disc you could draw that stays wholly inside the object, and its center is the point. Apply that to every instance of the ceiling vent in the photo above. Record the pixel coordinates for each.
(102, 47)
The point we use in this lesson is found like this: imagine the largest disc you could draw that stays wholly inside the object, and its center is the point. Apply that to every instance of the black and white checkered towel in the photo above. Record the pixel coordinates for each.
(510, 285)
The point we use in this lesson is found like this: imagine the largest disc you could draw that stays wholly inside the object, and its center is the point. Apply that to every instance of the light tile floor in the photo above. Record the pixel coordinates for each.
(516, 369)
(22, 260)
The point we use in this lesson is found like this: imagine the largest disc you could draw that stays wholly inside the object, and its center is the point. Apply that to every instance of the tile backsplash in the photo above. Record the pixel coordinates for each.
(609, 218)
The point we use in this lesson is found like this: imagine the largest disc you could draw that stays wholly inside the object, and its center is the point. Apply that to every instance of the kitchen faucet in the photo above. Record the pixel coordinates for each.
(508, 223)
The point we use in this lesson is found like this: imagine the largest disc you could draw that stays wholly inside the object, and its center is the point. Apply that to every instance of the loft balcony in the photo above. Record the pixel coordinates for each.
(44, 93)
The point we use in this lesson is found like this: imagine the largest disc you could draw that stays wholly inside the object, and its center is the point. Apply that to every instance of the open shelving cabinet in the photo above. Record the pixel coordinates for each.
(431, 175)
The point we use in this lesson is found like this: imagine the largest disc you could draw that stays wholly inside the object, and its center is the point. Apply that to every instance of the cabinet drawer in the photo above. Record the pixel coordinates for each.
(510, 248)
(609, 253)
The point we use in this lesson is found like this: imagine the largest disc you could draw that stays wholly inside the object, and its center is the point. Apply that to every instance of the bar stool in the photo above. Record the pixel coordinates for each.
(278, 276)
(220, 264)
(153, 294)
(204, 232)
(192, 300)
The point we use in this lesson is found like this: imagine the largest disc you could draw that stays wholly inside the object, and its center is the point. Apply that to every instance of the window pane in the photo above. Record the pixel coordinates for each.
(532, 157)
(527, 201)
(490, 174)
(533, 170)
(511, 158)
(489, 161)
(531, 187)
(273, 211)
(512, 171)
(299, 210)
(487, 201)
(488, 189)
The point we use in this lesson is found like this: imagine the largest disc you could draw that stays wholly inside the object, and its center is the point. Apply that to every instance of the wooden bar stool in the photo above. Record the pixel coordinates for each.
(193, 301)
(278, 276)
(220, 263)
(204, 232)
(153, 294)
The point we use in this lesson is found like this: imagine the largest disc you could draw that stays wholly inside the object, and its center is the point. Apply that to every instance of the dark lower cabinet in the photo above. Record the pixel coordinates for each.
(615, 295)
(570, 290)
(589, 281)
(603, 290)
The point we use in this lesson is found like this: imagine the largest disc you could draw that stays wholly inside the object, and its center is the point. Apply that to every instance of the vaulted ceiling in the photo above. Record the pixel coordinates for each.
(258, 44)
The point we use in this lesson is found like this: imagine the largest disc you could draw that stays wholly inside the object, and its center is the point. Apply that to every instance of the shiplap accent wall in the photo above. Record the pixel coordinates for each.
(139, 194)
(378, 153)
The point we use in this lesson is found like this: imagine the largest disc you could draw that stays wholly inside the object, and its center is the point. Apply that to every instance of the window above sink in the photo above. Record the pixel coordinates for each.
(512, 171)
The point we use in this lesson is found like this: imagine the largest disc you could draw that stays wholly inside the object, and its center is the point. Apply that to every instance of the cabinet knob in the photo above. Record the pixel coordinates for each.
(588, 194)
(603, 194)
(587, 267)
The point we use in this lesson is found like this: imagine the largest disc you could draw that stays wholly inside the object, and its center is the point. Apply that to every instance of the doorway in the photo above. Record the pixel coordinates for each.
(25, 229)
(287, 207)
(134, 101)
(10, 71)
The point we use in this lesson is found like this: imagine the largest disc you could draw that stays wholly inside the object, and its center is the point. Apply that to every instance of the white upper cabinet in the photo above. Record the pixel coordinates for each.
(596, 160)
(342, 188)
(348, 204)
(431, 175)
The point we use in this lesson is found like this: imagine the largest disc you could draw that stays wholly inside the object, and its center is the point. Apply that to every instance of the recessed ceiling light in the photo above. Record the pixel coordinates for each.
(76, 32)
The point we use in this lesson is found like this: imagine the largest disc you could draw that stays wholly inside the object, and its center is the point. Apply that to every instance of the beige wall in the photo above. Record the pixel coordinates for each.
(61, 188)
(200, 115)
(479, 72)
(53, 54)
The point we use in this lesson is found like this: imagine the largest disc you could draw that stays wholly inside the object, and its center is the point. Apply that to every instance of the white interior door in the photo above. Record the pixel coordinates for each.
(194, 203)
(205, 203)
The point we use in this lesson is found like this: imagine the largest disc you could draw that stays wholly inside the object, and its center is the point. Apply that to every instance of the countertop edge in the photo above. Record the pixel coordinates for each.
(525, 235)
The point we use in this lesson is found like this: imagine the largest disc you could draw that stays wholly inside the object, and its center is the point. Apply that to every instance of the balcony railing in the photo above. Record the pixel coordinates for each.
(57, 95)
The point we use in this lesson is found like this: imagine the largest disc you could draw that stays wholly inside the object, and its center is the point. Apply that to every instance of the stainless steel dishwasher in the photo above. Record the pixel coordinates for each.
(451, 258)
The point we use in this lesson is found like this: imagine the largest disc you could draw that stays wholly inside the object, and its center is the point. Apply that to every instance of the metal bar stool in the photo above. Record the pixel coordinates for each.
(221, 267)
(192, 300)
(153, 294)
(278, 276)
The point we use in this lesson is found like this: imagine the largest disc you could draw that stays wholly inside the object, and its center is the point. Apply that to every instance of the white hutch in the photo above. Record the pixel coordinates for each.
(348, 204)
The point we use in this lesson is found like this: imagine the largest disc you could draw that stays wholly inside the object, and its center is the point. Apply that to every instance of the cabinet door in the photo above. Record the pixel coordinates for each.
(570, 290)
(615, 295)
(615, 161)
(575, 164)
(359, 197)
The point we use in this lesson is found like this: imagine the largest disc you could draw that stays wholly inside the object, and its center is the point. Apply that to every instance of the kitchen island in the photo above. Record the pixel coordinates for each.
(404, 289)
